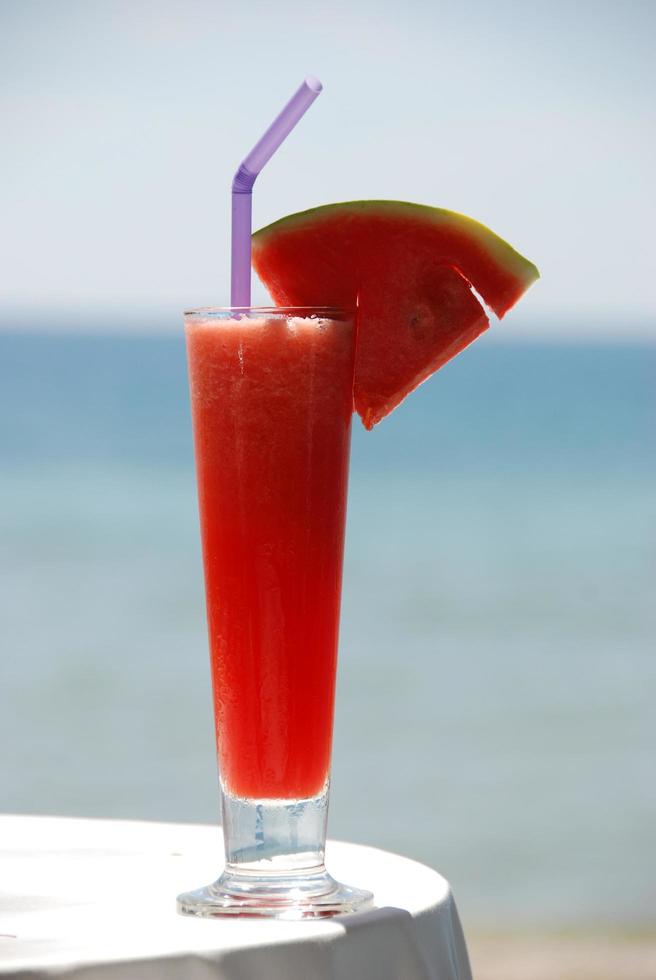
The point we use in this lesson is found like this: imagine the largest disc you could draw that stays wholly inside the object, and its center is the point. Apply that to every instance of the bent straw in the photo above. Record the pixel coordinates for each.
(242, 186)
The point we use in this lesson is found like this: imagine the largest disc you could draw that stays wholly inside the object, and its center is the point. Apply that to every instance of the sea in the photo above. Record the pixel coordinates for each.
(496, 699)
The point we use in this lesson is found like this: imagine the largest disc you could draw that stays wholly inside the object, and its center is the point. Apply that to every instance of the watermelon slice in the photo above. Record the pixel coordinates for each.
(409, 268)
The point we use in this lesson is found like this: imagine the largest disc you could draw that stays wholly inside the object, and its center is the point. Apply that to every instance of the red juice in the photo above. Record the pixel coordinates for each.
(272, 401)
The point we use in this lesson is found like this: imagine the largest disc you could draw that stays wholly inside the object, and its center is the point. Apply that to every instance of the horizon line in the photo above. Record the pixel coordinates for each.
(561, 326)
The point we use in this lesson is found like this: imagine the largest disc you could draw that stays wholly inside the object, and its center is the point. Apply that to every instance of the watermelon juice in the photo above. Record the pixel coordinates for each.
(272, 400)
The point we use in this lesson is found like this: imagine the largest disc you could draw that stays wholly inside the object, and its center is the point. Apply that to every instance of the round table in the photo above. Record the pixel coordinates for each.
(96, 899)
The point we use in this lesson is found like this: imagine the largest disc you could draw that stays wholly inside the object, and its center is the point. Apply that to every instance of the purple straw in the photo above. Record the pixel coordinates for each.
(242, 186)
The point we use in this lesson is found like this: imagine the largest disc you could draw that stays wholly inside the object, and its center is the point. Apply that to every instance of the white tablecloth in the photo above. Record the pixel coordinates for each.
(96, 899)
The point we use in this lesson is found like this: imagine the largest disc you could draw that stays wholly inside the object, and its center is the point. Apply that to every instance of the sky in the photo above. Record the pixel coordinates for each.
(123, 123)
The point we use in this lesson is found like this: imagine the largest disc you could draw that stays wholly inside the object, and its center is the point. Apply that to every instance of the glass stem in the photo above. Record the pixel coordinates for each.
(274, 837)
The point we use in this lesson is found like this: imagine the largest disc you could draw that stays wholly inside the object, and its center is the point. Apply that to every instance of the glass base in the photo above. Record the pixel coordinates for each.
(289, 897)
(274, 863)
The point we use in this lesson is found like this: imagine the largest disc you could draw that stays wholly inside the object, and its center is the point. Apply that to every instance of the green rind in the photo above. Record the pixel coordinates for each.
(501, 251)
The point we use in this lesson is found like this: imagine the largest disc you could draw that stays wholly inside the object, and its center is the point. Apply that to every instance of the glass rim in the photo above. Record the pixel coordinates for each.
(324, 310)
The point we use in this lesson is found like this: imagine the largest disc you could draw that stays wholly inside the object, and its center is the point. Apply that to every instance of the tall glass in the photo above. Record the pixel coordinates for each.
(272, 400)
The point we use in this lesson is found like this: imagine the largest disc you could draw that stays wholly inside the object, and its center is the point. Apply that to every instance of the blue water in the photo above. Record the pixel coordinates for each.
(497, 684)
